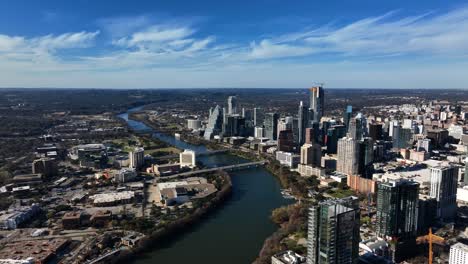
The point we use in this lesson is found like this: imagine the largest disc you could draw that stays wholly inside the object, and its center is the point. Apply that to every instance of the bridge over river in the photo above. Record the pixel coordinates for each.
(233, 167)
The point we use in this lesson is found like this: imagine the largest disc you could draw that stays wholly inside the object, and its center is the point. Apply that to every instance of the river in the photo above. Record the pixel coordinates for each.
(235, 233)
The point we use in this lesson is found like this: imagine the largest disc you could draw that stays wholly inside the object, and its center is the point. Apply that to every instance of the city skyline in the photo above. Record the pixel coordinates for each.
(174, 45)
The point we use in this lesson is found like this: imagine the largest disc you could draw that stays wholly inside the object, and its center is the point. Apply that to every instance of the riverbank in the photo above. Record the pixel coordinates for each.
(267, 210)
(180, 226)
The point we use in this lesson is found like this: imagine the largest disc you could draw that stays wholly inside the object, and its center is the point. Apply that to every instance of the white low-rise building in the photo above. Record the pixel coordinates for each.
(287, 158)
(110, 199)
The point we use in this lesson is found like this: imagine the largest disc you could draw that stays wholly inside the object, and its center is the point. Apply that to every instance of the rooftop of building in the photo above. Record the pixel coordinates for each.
(460, 246)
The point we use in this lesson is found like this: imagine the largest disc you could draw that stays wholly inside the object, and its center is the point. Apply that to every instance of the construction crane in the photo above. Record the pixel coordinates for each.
(430, 239)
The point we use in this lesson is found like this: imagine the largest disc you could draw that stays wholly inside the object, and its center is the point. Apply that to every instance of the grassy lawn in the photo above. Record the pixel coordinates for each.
(168, 149)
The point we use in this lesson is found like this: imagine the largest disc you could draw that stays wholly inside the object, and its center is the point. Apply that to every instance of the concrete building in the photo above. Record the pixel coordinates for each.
(194, 124)
(45, 166)
(259, 132)
(187, 158)
(10, 219)
(423, 145)
(125, 175)
(288, 159)
(137, 158)
(311, 155)
(317, 101)
(309, 170)
(271, 125)
(232, 105)
(458, 254)
(333, 233)
(286, 140)
(348, 156)
(444, 190)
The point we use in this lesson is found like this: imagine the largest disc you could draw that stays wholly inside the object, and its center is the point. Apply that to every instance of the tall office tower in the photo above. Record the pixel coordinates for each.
(234, 126)
(317, 99)
(303, 121)
(211, 111)
(358, 127)
(334, 133)
(458, 254)
(427, 208)
(375, 131)
(247, 114)
(391, 127)
(444, 190)
(402, 137)
(232, 105)
(397, 202)
(333, 233)
(311, 155)
(348, 156)
(295, 125)
(137, 158)
(271, 125)
(423, 145)
(284, 124)
(313, 134)
(366, 157)
(347, 115)
(286, 140)
(215, 123)
(258, 117)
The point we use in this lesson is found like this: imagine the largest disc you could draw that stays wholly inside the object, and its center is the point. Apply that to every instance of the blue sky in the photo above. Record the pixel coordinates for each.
(186, 44)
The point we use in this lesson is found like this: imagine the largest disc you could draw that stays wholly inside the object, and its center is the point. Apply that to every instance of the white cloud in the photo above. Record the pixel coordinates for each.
(148, 54)
(268, 50)
(155, 35)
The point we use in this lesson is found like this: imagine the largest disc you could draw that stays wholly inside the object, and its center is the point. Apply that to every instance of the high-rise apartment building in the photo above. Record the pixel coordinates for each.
(232, 105)
(303, 121)
(137, 158)
(397, 201)
(215, 123)
(317, 100)
(347, 115)
(375, 131)
(444, 190)
(333, 233)
(458, 254)
(348, 156)
(258, 117)
(366, 157)
(271, 125)
(311, 155)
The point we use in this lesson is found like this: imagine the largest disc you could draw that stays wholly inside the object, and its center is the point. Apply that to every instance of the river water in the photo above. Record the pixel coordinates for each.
(235, 233)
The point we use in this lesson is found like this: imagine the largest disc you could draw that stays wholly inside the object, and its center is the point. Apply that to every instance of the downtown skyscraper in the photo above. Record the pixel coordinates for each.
(444, 190)
(303, 121)
(333, 232)
(397, 202)
(317, 101)
(348, 156)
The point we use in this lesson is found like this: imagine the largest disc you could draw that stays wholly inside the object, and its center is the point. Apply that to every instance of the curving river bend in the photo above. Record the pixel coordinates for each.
(235, 233)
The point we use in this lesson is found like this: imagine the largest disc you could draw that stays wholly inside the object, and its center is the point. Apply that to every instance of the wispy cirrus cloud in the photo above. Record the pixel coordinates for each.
(425, 34)
(148, 44)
